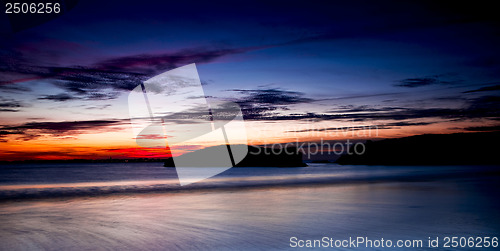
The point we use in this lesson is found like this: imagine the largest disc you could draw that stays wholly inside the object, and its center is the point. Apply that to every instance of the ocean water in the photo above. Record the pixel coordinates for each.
(140, 206)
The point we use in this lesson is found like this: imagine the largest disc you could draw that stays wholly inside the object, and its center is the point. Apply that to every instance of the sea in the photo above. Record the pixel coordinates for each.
(141, 206)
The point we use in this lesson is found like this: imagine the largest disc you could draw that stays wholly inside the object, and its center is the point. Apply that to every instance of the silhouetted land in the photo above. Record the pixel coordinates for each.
(259, 156)
(321, 161)
(256, 157)
(430, 149)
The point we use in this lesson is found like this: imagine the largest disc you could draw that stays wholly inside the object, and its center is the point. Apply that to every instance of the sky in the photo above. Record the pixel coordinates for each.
(301, 71)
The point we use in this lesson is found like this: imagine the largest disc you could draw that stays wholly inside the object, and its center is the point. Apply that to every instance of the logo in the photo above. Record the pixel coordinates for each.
(171, 111)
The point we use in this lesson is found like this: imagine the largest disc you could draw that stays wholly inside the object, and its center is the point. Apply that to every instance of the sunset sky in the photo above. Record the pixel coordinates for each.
(300, 70)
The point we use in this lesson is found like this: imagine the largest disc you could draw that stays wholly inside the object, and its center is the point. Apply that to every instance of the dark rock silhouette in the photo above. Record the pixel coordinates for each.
(321, 161)
(259, 156)
(429, 149)
(256, 157)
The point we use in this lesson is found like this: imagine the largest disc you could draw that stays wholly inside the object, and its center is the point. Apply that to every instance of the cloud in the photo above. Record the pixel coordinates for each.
(32, 130)
(148, 63)
(483, 128)
(403, 123)
(106, 78)
(416, 82)
(366, 96)
(10, 105)
(271, 96)
(64, 126)
(8, 110)
(485, 107)
(98, 107)
(424, 81)
(485, 89)
(363, 108)
(254, 103)
(13, 88)
(365, 127)
(3, 134)
(257, 103)
(61, 97)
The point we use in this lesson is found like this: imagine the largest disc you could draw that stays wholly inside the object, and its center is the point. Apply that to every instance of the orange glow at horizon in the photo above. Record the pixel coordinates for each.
(119, 144)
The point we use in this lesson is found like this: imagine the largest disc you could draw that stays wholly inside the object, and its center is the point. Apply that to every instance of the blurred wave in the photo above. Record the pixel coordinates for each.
(51, 181)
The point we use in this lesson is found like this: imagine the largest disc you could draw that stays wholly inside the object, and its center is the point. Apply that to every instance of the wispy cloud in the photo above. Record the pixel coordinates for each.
(61, 97)
(483, 128)
(485, 107)
(485, 89)
(390, 94)
(32, 130)
(104, 79)
(257, 103)
(13, 88)
(367, 127)
(424, 81)
(10, 105)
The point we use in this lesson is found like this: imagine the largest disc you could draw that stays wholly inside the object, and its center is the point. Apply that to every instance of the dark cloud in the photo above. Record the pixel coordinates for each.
(64, 126)
(366, 96)
(485, 89)
(7, 133)
(61, 97)
(483, 128)
(8, 110)
(189, 116)
(257, 103)
(215, 111)
(10, 105)
(32, 130)
(342, 129)
(417, 82)
(363, 108)
(254, 103)
(486, 107)
(365, 127)
(151, 64)
(13, 88)
(106, 78)
(271, 96)
(403, 123)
